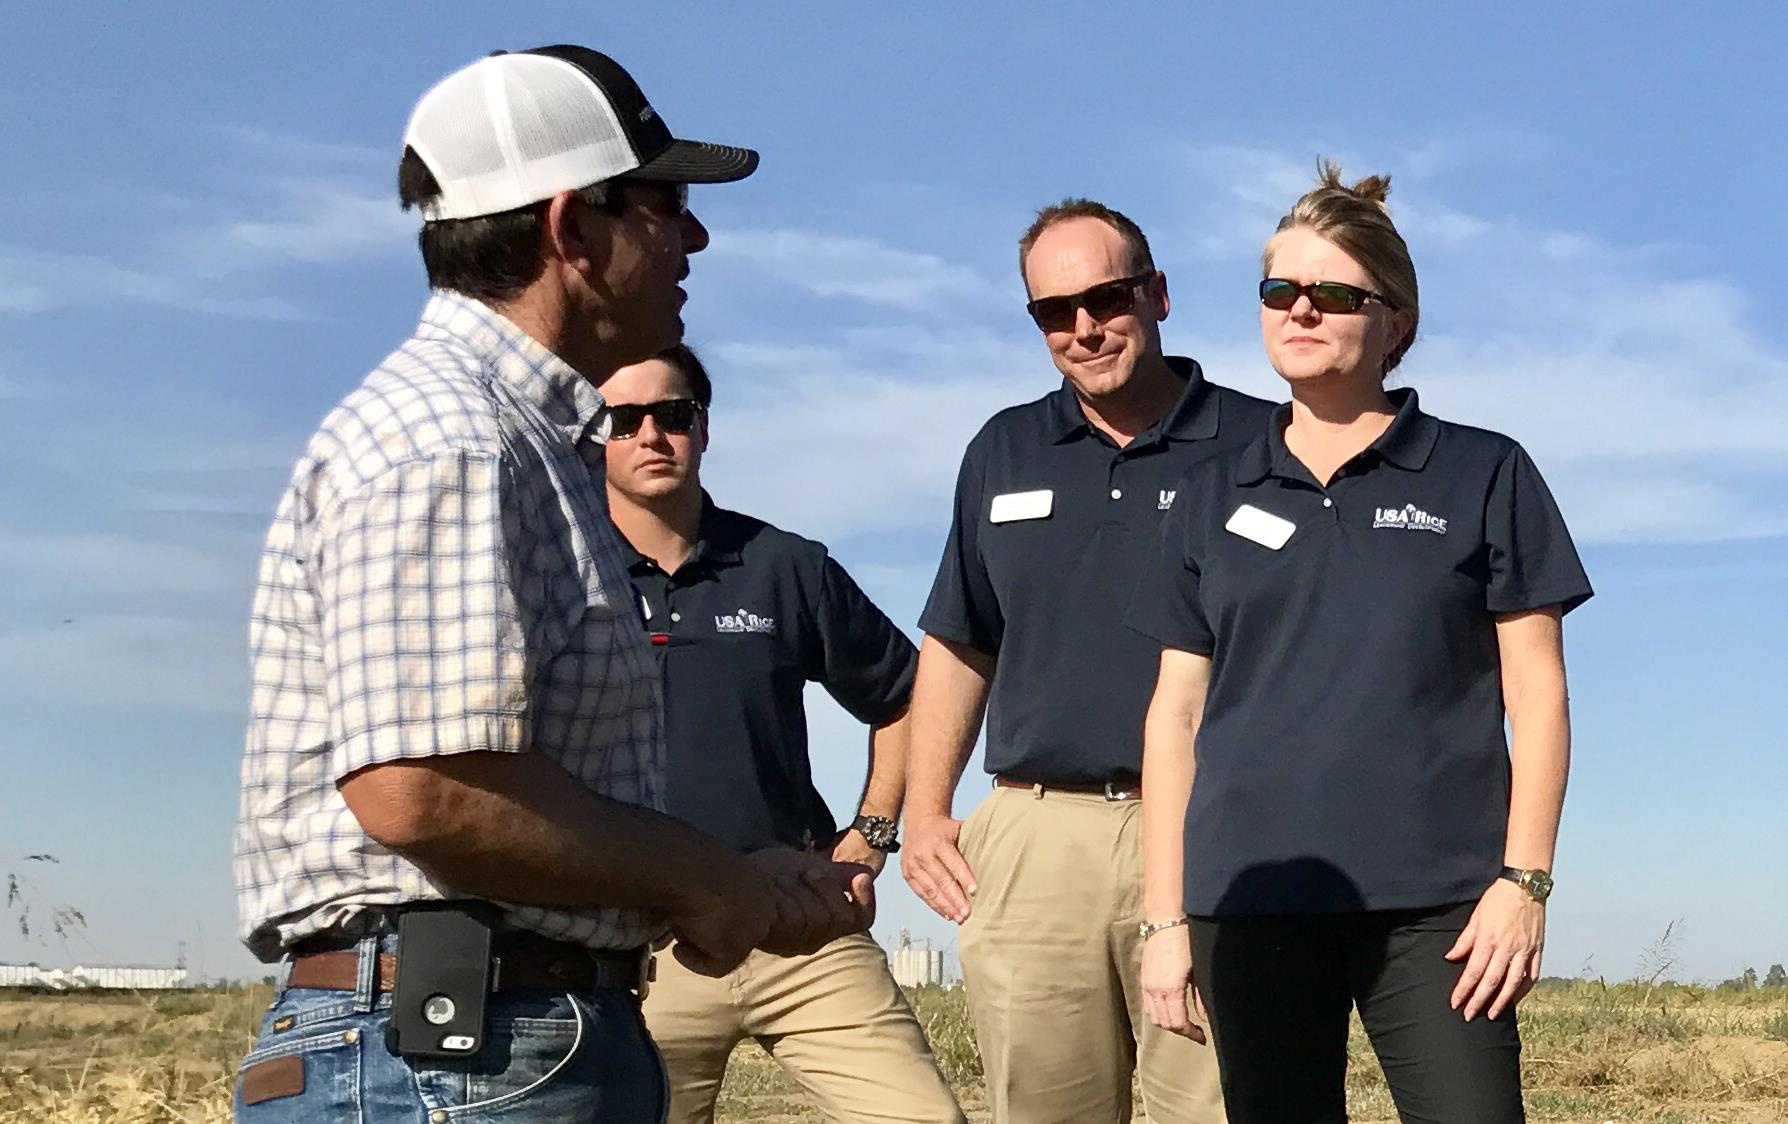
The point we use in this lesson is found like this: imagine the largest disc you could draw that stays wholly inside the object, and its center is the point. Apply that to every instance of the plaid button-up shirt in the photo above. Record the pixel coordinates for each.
(441, 576)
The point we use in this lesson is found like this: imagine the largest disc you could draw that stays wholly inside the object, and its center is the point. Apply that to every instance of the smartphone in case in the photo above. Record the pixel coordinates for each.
(443, 980)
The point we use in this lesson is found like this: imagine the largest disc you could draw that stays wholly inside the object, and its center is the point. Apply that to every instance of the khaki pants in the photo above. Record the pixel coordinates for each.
(1052, 962)
(834, 1020)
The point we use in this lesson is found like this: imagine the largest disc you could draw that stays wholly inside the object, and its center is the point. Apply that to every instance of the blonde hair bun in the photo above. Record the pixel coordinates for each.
(1372, 189)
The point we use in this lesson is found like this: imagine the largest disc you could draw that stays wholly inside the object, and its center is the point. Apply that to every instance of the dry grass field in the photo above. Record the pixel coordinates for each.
(1660, 1055)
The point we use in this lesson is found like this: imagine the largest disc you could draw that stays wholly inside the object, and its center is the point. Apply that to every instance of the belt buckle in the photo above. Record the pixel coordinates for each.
(1114, 793)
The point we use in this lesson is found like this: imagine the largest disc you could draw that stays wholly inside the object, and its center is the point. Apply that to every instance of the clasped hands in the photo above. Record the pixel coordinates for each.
(785, 902)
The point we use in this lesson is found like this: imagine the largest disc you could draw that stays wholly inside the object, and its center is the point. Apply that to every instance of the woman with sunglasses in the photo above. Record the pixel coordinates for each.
(1348, 608)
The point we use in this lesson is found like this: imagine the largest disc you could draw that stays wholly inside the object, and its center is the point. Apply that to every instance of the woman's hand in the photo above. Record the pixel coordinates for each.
(1501, 947)
(1167, 981)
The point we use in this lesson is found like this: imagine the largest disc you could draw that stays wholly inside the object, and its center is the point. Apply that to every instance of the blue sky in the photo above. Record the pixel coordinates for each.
(202, 253)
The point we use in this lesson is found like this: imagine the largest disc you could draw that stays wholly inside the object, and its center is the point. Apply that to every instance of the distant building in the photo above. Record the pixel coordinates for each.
(81, 977)
(916, 966)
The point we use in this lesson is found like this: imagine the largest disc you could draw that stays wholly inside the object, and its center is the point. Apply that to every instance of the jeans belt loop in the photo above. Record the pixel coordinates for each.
(648, 972)
(281, 974)
(366, 981)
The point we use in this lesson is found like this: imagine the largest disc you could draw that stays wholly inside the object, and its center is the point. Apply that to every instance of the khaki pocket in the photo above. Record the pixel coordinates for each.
(975, 828)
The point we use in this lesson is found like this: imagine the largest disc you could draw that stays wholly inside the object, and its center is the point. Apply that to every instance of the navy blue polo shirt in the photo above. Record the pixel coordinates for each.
(1352, 753)
(1053, 524)
(752, 616)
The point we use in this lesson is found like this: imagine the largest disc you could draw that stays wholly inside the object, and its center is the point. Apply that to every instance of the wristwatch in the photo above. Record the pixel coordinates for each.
(879, 832)
(1148, 929)
(1537, 883)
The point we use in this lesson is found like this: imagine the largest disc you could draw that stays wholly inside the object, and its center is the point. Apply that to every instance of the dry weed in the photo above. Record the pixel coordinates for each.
(1653, 1053)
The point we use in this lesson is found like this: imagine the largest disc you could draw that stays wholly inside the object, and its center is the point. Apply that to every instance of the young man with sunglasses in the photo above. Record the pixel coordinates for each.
(450, 832)
(742, 617)
(1057, 508)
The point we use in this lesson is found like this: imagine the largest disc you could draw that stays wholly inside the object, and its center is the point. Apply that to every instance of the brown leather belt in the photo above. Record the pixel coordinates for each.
(530, 964)
(1125, 789)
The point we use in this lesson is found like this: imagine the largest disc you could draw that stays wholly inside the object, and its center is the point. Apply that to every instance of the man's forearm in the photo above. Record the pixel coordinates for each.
(885, 787)
(949, 699)
(516, 827)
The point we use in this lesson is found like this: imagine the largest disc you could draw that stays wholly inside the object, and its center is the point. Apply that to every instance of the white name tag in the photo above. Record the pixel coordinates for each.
(1260, 526)
(1015, 506)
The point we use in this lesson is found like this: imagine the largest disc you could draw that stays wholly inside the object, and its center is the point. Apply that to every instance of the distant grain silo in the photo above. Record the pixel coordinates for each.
(916, 966)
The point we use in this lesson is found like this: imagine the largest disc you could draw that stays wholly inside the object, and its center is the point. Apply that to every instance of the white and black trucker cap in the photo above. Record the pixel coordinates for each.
(515, 128)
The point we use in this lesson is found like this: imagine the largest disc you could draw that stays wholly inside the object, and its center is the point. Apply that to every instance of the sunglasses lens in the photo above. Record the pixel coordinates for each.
(1053, 314)
(624, 421)
(1106, 301)
(1278, 295)
(1328, 296)
(676, 416)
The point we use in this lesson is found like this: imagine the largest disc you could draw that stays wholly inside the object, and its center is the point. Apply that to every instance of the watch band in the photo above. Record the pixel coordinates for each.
(1149, 928)
(1537, 883)
(879, 832)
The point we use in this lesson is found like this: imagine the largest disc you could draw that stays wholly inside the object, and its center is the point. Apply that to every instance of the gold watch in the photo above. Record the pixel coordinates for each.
(1537, 883)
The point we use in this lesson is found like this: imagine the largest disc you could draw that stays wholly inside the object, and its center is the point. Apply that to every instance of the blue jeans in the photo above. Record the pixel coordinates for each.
(578, 1058)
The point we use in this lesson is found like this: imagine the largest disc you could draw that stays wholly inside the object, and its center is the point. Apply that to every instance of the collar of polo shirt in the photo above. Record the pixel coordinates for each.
(1192, 418)
(712, 545)
(1407, 443)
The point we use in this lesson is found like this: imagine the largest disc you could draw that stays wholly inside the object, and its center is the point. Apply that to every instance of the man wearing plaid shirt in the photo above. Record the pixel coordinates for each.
(453, 694)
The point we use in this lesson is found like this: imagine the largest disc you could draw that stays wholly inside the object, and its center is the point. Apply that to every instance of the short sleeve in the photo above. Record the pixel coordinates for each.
(963, 607)
(1166, 606)
(1532, 561)
(865, 662)
(423, 643)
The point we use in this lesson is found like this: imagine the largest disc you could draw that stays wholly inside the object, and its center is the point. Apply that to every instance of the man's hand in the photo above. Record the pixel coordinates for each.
(817, 900)
(782, 901)
(1167, 982)
(853, 848)
(935, 869)
(717, 930)
(1501, 947)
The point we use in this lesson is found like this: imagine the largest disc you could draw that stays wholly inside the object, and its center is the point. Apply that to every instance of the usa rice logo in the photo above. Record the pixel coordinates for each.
(744, 621)
(1409, 517)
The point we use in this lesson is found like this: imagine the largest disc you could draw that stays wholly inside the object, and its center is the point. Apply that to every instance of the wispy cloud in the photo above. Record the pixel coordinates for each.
(33, 281)
(152, 664)
(1439, 156)
(886, 414)
(287, 149)
(131, 571)
(198, 253)
(828, 265)
(319, 223)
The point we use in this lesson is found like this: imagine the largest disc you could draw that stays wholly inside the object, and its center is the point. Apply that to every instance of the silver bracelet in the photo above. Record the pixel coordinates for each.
(1150, 928)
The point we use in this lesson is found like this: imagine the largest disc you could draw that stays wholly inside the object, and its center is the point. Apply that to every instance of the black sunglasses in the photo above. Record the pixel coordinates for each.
(1102, 302)
(673, 415)
(1325, 296)
(670, 198)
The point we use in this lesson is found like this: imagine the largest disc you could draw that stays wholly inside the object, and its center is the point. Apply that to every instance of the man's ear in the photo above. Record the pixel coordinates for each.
(1158, 287)
(575, 234)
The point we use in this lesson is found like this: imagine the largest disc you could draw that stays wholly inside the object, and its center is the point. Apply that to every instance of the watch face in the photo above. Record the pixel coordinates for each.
(1541, 885)
(878, 831)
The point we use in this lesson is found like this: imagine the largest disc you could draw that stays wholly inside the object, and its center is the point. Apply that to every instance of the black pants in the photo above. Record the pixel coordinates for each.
(1279, 989)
